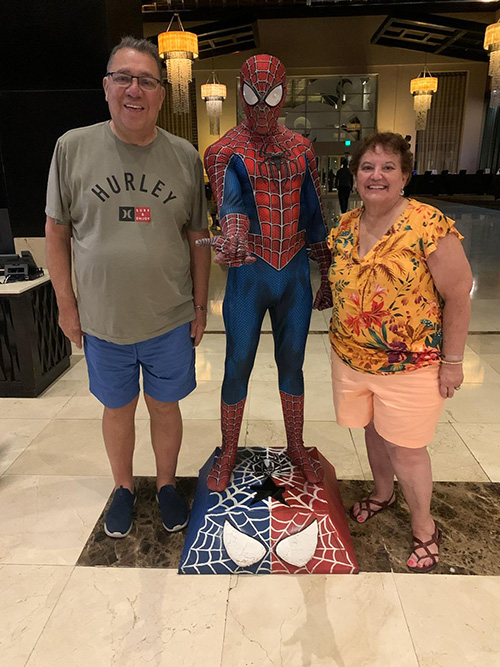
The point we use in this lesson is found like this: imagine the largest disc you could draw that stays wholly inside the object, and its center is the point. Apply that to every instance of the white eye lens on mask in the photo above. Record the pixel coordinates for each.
(249, 96)
(243, 549)
(298, 549)
(274, 97)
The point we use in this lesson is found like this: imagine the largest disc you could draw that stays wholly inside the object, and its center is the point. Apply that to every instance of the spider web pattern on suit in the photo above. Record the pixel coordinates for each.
(276, 168)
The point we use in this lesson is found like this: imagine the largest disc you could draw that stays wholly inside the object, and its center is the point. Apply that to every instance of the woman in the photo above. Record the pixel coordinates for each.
(400, 282)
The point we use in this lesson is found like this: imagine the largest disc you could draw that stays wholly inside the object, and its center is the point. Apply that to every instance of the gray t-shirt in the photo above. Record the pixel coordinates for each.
(129, 208)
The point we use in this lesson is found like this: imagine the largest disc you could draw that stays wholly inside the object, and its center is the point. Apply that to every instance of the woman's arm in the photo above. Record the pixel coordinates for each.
(452, 276)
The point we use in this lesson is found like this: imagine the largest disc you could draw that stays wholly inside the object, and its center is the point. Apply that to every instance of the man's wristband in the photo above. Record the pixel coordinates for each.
(202, 308)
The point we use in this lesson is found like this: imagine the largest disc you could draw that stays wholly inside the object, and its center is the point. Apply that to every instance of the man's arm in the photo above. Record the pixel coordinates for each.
(58, 253)
(200, 272)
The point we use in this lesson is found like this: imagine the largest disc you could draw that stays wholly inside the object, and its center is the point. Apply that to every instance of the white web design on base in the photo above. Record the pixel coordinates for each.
(207, 554)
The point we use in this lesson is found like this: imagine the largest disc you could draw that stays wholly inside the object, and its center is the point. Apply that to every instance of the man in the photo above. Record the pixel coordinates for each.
(132, 198)
(266, 182)
(344, 183)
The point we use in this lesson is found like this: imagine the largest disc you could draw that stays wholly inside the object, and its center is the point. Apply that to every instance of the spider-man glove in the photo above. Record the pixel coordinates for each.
(323, 255)
(231, 247)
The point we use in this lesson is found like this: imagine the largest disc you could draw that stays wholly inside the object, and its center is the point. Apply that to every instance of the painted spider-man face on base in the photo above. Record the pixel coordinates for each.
(263, 92)
(269, 520)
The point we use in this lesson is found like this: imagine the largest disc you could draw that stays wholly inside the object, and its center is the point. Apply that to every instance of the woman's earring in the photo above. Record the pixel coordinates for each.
(402, 192)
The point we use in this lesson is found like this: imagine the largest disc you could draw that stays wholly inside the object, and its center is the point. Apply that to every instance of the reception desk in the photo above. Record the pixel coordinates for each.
(33, 349)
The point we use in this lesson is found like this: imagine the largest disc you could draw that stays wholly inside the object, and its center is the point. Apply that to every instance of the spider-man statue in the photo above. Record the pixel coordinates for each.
(266, 183)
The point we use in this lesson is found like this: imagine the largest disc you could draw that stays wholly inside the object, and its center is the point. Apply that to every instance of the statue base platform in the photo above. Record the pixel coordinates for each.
(269, 520)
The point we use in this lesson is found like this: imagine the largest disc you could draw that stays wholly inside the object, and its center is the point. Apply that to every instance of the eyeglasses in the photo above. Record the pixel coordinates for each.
(125, 80)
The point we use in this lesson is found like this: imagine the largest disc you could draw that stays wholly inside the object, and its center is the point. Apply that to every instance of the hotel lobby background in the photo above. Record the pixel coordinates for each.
(69, 595)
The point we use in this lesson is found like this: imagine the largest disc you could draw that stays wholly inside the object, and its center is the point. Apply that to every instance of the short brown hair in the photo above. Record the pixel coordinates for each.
(141, 45)
(388, 141)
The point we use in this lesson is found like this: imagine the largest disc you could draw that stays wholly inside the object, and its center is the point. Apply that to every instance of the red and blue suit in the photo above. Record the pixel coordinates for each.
(266, 183)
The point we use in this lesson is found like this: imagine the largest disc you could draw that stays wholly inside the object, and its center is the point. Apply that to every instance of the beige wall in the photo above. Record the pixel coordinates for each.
(341, 45)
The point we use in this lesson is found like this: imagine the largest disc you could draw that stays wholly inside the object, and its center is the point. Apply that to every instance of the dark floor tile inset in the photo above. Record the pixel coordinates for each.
(148, 544)
(468, 513)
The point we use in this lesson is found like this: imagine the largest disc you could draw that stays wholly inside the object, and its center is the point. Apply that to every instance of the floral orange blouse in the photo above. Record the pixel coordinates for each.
(386, 310)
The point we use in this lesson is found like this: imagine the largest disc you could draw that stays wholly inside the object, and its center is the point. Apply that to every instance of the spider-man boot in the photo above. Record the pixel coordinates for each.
(293, 412)
(231, 418)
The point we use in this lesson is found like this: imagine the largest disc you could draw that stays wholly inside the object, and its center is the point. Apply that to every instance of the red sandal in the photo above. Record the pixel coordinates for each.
(436, 539)
(364, 506)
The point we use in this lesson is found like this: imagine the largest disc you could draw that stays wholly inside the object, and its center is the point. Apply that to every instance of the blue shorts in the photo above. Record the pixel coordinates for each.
(167, 363)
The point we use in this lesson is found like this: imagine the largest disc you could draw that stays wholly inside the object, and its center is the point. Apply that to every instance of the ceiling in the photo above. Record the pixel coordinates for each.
(206, 10)
(229, 26)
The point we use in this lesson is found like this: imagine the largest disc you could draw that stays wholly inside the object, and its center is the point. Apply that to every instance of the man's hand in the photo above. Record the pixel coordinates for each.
(198, 326)
(69, 321)
(323, 299)
(451, 377)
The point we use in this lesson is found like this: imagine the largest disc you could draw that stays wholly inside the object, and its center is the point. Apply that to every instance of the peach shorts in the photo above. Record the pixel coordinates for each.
(405, 407)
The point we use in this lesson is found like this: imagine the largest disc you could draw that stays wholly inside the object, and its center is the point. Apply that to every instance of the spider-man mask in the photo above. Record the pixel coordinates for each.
(263, 92)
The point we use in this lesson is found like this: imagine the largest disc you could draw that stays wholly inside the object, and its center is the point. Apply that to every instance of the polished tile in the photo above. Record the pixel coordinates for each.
(62, 387)
(199, 439)
(210, 366)
(317, 367)
(28, 594)
(485, 315)
(451, 459)
(203, 402)
(81, 407)
(474, 403)
(453, 620)
(31, 408)
(56, 483)
(46, 520)
(483, 440)
(135, 618)
(315, 621)
(264, 401)
(492, 360)
(478, 370)
(319, 401)
(15, 436)
(67, 447)
(77, 370)
(484, 343)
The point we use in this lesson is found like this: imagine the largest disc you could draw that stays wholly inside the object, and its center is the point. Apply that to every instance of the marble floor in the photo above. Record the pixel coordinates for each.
(55, 482)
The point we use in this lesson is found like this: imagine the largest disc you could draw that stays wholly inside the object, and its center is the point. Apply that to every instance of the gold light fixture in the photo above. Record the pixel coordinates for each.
(423, 88)
(214, 93)
(179, 48)
(492, 44)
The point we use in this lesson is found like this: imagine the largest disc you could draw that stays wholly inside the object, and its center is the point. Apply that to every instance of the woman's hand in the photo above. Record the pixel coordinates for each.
(451, 377)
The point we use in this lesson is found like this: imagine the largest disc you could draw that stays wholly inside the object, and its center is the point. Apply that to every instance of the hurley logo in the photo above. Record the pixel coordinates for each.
(134, 214)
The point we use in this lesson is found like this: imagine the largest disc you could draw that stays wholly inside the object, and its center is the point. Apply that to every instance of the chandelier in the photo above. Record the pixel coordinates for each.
(492, 44)
(423, 88)
(214, 93)
(179, 48)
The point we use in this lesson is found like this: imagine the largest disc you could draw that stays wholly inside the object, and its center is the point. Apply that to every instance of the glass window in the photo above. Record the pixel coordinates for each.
(330, 108)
